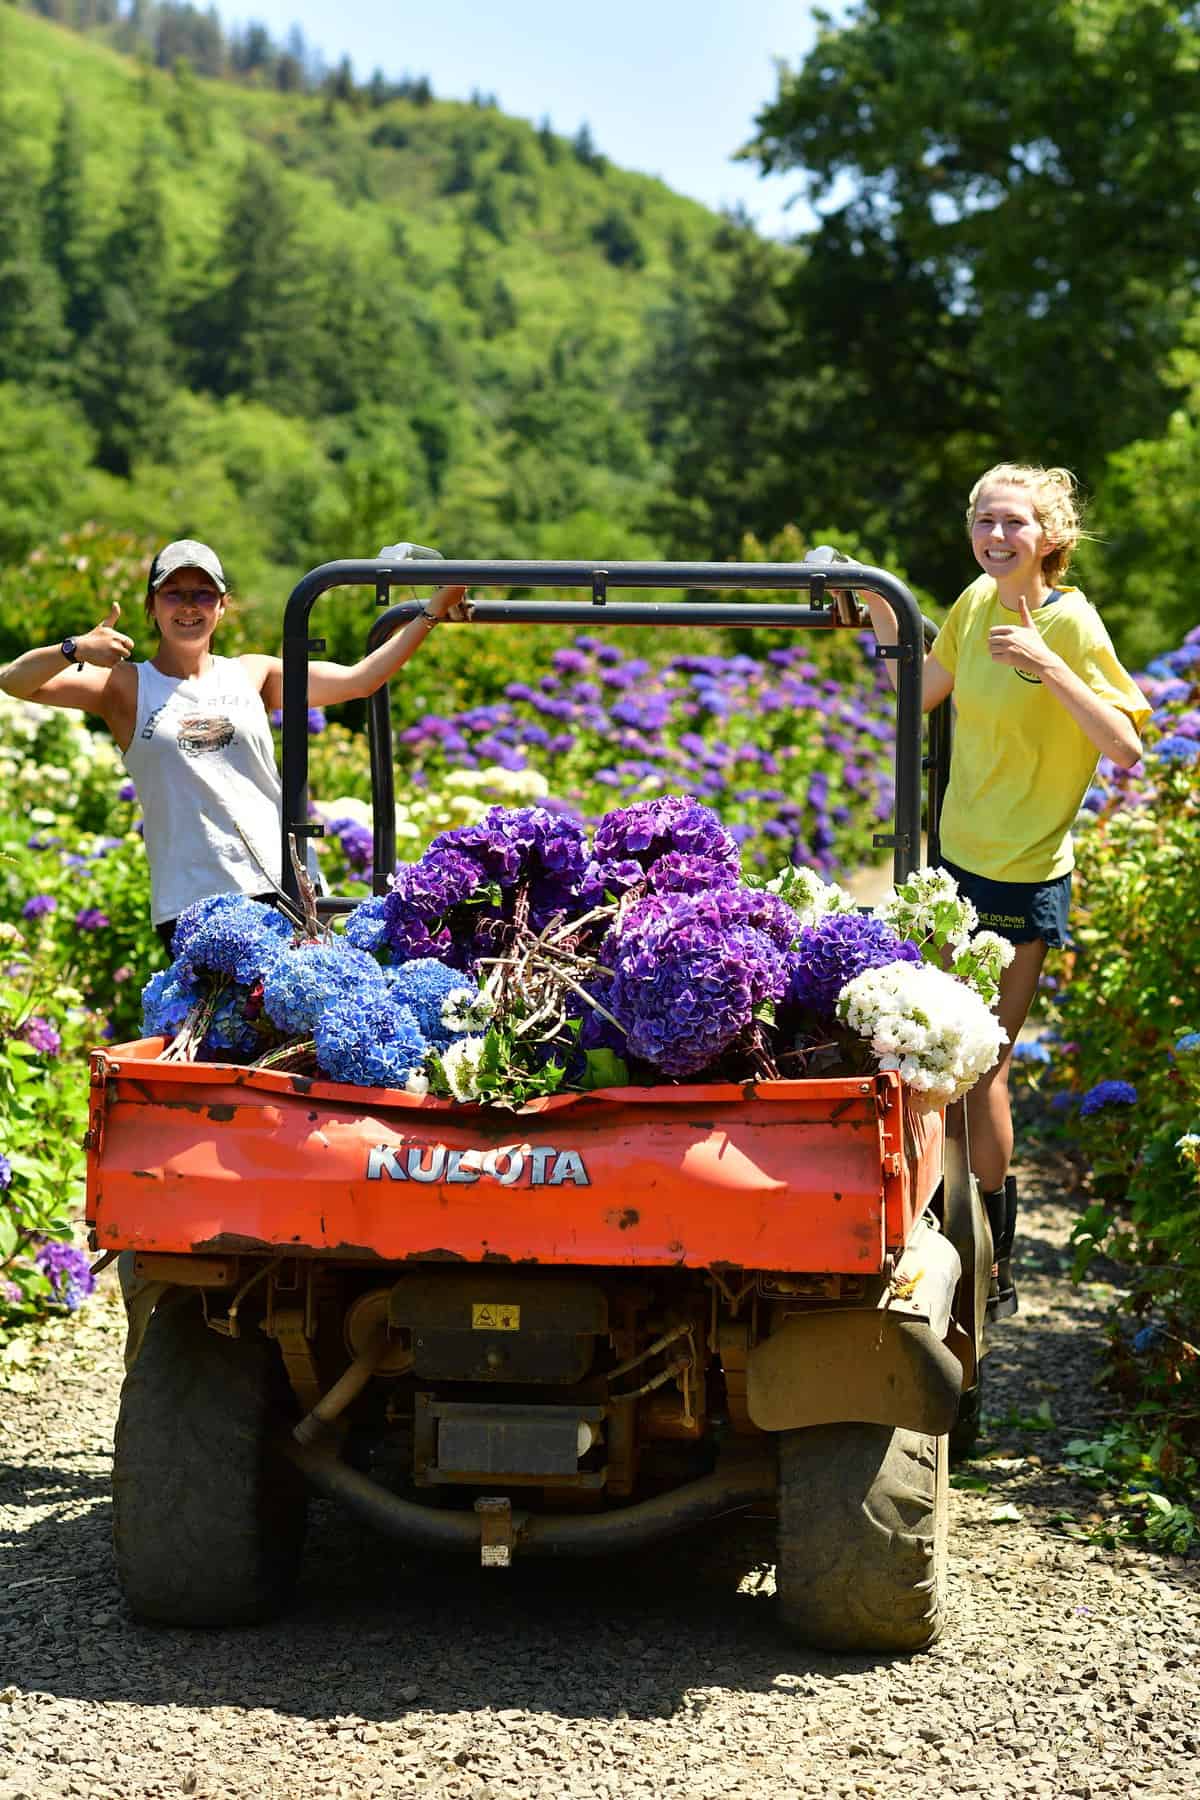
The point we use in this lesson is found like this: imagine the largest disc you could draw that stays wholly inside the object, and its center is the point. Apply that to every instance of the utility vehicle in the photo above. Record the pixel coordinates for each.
(565, 1330)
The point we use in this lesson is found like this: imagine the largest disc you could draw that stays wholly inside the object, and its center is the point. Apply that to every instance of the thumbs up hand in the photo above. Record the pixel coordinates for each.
(1021, 645)
(104, 645)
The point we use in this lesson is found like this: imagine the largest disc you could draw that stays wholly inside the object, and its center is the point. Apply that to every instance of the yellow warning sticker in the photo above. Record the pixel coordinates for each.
(492, 1315)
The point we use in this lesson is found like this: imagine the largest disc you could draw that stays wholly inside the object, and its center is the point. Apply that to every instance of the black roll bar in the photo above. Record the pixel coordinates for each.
(821, 581)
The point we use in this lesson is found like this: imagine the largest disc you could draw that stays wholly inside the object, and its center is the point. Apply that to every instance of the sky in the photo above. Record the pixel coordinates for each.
(668, 87)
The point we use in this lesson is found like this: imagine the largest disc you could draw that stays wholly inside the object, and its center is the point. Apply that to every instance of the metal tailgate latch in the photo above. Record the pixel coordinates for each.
(496, 1533)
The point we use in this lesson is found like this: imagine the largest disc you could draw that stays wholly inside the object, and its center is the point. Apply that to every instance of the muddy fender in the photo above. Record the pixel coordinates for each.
(897, 1362)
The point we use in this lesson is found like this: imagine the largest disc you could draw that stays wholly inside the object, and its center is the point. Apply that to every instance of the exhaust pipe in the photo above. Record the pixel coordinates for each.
(493, 1530)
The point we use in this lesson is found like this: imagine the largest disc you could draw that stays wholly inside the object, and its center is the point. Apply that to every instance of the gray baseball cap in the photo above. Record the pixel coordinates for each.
(186, 553)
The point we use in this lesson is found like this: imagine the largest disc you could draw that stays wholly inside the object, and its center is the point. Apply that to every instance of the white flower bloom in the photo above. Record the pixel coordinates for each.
(467, 1009)
(417, 1083)
(808, 896)
(933, 1029)
(460, 1065)
(926, 904)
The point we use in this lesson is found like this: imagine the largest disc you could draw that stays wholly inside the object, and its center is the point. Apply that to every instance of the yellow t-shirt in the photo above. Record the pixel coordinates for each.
(1021, 765)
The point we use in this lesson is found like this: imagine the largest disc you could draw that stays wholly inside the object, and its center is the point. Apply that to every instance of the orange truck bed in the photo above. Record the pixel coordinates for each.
(822, 1176)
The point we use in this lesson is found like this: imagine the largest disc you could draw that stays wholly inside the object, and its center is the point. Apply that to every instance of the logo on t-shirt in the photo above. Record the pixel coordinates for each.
(201, 732)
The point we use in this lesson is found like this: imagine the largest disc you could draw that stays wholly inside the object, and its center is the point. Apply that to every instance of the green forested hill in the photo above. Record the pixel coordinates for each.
(302, 326)
(303, 316)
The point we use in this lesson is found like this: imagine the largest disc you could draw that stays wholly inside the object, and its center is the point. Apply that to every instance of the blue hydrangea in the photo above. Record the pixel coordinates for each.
(193, 918)
(167, 999)
(1188, 1044)
(230, 1036)
(1032, 1050)
(236, 936)
(364, 926)
(424, 985)
(1176, 749)
(836, 949)
(1107, 1094)
(368, 1040)
(5, 1172)
(303, 981)
(653, 828)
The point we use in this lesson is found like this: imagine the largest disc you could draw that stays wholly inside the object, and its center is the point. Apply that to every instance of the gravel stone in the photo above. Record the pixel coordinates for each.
(1065, 1672)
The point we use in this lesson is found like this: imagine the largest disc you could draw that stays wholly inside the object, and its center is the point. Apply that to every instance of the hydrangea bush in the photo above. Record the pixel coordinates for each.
(44, 1028)
(1124, 1013)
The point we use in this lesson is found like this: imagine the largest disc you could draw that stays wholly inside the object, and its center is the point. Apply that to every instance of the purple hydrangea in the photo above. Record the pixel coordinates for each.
(5, 1172)
(1107, 1094)
(68, 1272)
(687, 978)
(90, 918)
(684, 994)
(357, 841)
(652, 828)
(367, 1039)
(316, 721)
(42, 1035)
(127, 791)
(605, 881)
(301, 983)
(836, 949)
(523, 843)
(39, 906)
(680, 873)
(423, 894)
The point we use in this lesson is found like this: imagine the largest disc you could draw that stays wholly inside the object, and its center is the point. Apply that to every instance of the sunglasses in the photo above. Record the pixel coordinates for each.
(202, 597)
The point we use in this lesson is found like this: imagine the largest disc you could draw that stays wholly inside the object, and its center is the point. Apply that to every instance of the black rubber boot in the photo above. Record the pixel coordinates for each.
(1001, 1206)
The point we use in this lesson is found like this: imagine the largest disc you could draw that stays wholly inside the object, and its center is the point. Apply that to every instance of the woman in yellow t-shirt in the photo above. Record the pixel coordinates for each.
(1039, 697)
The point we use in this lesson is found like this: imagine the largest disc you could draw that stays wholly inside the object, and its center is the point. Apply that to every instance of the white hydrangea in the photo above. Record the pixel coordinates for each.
(808, 896)
(933, 1030)
(521, 785)
(461, 1064)
(467, 1009)
(417, 1083)
(929, 909)
(980, 962)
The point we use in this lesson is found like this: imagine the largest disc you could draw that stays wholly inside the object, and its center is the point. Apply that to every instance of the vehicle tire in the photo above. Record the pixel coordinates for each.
(863, 1519)
(208, 1516)
(964, 1433)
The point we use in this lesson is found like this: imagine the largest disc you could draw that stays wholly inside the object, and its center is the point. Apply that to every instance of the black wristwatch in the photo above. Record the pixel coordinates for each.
(68, 649)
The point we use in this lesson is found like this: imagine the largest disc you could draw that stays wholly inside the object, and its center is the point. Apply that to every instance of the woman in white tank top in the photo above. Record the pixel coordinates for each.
(193, 726)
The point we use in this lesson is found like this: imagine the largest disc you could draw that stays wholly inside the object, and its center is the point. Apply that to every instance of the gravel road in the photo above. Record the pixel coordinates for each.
(1066, 1671)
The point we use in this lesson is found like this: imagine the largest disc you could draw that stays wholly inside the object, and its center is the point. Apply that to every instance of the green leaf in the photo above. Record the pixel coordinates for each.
(606, 1069)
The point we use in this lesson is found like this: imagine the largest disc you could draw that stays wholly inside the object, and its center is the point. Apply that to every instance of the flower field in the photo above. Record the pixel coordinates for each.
(791, 750)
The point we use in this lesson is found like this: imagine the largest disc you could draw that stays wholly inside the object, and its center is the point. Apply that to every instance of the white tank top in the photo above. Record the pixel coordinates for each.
(203, 761)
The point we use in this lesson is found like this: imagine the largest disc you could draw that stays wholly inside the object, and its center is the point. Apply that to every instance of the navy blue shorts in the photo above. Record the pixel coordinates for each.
(1021, 911)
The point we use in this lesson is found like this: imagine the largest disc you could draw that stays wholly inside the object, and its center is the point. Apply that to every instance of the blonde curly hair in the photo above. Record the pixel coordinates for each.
(1056, 501)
